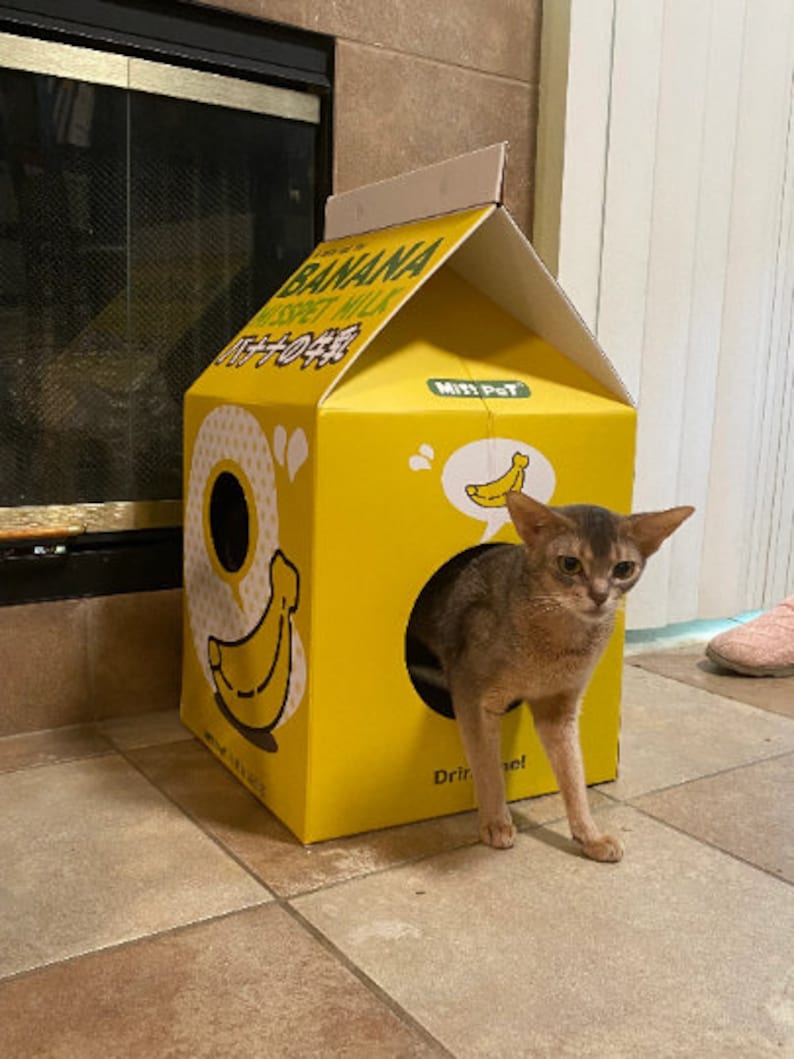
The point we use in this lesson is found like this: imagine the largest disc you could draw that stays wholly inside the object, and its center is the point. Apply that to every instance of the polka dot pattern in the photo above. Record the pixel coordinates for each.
(229, 432)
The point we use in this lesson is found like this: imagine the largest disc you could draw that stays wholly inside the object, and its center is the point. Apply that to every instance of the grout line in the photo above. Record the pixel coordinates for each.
(56, 729)
(285, 901)
(273, 896)
(126, 943)
(613, 798)
(273, 899)
(283, 904)
(282, 898)
(418, 858)
(710, 691)
(385, 49)
(632, 803)
(695, 779)
(31, 766)
(709, 844)
(369, 983)
(276, 896)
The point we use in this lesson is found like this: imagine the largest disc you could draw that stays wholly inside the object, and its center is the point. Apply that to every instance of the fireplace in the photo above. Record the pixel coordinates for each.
(160, 176)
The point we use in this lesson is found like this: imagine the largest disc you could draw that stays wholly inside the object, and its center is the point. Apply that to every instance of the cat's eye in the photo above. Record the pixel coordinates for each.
(623, 571)
(569, 564)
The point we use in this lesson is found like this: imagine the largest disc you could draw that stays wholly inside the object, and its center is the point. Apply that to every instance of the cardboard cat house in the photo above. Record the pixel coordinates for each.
(358, 433)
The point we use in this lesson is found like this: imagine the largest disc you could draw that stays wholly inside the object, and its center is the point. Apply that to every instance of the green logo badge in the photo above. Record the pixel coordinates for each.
(478, 388)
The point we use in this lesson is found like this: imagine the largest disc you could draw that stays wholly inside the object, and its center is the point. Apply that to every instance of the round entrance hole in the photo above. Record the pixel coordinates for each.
(424, 668)
(229, 522)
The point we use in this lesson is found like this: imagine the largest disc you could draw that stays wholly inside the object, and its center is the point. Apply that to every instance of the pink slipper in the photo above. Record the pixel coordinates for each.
(764, 647)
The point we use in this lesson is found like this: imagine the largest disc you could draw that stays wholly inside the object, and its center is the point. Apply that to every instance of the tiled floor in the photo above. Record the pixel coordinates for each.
(150, 907)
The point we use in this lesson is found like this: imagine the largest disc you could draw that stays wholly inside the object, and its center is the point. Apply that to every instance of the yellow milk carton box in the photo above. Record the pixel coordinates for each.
(357, 434)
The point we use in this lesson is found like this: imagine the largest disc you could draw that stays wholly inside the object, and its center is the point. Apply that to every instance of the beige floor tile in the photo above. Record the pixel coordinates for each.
(198, 783)
(690, 665)
(254, 984)
(672, 733)
(145, 729)
(679, 951)
(94, 855)
(50, 747)
(746, 811)
(534, 812)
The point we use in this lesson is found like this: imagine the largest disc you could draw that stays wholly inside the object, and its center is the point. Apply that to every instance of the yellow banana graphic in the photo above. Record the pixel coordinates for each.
(493, 494)
(251, 675)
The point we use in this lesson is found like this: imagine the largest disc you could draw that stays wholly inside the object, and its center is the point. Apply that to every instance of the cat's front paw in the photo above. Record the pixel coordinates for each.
(497, 833)
(605, 848)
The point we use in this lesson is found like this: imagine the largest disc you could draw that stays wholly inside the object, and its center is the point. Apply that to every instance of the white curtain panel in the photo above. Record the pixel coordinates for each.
(665, 199)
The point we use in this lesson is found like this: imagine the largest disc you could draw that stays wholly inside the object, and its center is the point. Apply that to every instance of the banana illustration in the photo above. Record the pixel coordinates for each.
(493, 494)
(252, 675)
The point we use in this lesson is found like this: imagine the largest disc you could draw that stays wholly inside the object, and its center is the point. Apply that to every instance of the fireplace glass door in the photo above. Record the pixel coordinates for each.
(146, 212)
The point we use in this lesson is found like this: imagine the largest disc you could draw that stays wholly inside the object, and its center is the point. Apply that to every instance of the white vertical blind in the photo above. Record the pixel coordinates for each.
(675, 197)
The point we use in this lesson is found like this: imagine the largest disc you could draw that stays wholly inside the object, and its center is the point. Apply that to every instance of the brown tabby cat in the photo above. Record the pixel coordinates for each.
(513, 622)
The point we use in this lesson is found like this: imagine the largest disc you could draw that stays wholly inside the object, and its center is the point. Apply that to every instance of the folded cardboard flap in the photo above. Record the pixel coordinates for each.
(501, 262)
(462, 183)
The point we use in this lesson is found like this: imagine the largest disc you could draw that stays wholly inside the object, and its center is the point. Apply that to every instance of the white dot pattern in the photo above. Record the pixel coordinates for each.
(229, 432)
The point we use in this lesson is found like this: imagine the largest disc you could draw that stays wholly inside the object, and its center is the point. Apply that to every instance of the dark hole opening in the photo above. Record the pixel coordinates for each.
(229, 521)
(424, 668)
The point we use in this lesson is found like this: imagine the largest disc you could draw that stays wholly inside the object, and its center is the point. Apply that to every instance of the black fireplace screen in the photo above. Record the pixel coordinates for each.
(138, 232)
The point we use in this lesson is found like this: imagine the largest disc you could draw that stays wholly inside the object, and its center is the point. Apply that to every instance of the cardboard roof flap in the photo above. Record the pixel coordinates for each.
(499, 261)
(496, 257)
(462, 183)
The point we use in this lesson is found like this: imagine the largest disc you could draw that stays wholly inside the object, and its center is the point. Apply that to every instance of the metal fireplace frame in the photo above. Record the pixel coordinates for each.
(181, 51)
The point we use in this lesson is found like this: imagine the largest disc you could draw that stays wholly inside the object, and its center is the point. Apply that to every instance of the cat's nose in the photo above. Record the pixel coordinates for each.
(599, 593)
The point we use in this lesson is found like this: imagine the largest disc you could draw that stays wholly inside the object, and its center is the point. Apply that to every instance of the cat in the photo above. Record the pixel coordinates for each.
(507, 623)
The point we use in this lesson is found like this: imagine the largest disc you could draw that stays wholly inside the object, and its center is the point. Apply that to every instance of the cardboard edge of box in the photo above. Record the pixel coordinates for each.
(461, 183)
(519, 283)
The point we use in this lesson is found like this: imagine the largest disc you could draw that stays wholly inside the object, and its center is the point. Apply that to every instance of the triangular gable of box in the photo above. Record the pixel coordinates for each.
(497, 259)
(303, 342)
(500, 261)
(450, 348)
(468, 222)
(321, 320)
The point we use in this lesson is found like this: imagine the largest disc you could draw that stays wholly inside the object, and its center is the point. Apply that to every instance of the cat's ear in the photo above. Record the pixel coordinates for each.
(532, 519)
(649, 531)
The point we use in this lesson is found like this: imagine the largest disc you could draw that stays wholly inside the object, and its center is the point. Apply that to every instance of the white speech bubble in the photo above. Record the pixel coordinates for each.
(222, 604)
(297, 452)
(477, 476)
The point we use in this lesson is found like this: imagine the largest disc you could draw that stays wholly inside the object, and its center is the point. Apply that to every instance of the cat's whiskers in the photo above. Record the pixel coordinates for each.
(545, 606)
(553, 601)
